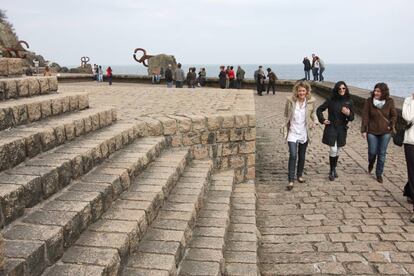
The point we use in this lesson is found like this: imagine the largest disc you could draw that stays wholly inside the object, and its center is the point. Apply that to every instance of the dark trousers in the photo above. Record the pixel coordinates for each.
(271, 84)
(315, 73)
(307, 74)
(260, 87)
(110, 80)
(239, 84)
(297, 152)
(178, 84)
(232, 83)
(409, 158)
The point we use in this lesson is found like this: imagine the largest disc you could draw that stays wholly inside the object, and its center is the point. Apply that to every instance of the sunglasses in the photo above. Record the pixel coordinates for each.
(342, 88)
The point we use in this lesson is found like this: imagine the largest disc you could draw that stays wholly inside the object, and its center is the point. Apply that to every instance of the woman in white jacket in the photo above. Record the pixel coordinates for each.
(408, 115)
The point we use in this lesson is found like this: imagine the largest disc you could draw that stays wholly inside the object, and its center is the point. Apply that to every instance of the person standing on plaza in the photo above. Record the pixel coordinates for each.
(272, 80)
(109, 74)
(379, 117)
(408, 116)
(191, 77)
(179, 76)
(300, 120)
(239, 77)
(340, 113)
(260, 77)
(315, 67)
(202, 77)
(222, 77)
(307, 67)
(321, 69)
(100, 73)
(232, 77)
(169, 76)
(227, 77)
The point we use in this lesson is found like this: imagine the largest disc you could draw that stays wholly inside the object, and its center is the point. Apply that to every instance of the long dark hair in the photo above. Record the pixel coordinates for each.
(335, 90)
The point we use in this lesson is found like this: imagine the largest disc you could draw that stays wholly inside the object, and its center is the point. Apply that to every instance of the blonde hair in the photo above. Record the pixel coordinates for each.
(302, 84)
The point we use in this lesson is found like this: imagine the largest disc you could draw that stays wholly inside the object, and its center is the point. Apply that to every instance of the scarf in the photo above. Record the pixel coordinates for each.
(378, 104)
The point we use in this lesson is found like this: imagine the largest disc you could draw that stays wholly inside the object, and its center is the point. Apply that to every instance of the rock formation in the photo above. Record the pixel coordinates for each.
(157, 64)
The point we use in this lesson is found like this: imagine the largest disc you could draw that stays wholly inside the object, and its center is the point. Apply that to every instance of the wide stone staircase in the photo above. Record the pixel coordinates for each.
(84, 194)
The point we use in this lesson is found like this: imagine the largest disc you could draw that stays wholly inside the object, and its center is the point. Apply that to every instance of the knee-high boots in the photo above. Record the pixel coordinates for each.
(333, 161)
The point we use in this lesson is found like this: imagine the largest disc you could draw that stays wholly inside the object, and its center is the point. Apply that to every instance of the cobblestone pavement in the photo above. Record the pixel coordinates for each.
(353, 226)
(134, 100)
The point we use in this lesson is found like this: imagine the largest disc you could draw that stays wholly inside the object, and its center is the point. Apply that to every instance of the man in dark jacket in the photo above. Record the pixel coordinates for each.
(259, 77)
(169, 76)
(239, 77)
(272, 81)
(307, 67)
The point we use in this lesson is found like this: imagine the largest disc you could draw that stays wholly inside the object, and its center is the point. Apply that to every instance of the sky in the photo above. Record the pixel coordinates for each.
(217, 31)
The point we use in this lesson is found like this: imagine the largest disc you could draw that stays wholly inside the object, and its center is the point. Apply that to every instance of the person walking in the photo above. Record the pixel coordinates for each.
(272, 81)
(307, 67)
(321, 69)
(95, 72)
(100, 73)
(378, 121)
(239, 77)
(109, 74)
(202, 77)
(340, 113)
(408, 116)
(179, 76)
(315, 67)
(227, 77)
(222, 77)
(169, 76)
(260, 77)
(300, 120)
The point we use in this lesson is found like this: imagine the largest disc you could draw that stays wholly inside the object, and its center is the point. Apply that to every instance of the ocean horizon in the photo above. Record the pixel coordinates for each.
(399, 77)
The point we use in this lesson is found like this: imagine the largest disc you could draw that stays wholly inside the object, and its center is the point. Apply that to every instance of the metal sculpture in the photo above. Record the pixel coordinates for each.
(17, 49)
(144, 58)
(84, 61)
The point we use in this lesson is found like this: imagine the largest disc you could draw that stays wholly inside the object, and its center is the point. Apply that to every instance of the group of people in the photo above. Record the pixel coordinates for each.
(97, 72)
(180, 77)
(379, 118)
(230, 79)
(316, 65)
(260, 79)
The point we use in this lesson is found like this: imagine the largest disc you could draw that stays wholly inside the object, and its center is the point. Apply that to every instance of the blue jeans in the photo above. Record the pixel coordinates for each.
(315, 73)
(307, 75)
(297, 151)
(321, 70)
(377, 149)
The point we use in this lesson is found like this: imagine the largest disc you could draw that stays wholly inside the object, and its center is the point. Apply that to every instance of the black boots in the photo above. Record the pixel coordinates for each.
(333, 161)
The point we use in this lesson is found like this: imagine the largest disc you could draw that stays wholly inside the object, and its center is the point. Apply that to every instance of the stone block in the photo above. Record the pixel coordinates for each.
(191, 138)
(53, 84)
(247, 147)
(241, 121)
(46, 107)
(198, 123)
(34, 86)
(4, 67)
(200, 151)
(2, 91)
(23, 87)
(208, 137)
(236, 134)
(33, 252)
(214, 122)
(10, 88)
(252, 120)
(14, 66)
(169, 125)
(65, 104)
(154, 126)
(20, 114)
(73, 103)
(34, 111)
(183, 123)
(56, 106)
(250, 134)
(223, 135)
(6, 118)
(228, 121)
(44, 85)
(83, 101)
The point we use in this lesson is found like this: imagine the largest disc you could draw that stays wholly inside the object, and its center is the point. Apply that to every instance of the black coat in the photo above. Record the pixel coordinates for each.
(337, 130)
(222, 79)
(307, 64)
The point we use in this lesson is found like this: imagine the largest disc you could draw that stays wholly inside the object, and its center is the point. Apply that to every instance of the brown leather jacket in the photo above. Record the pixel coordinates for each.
(378, 121)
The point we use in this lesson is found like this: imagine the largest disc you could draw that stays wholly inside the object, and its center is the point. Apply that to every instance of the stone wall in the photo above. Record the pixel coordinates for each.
(11, 67)
(229, 140)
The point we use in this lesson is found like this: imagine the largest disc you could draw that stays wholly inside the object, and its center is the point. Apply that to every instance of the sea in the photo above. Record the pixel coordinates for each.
(399, 77)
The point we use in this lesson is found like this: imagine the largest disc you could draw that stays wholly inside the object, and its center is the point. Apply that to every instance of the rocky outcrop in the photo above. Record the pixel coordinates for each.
(157, 64)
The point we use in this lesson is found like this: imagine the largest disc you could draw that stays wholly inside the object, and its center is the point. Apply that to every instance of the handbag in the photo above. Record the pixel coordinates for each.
(398, 137)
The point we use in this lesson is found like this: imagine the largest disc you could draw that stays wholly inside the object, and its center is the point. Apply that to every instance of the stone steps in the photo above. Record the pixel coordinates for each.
(21, 87)
(40, 177)
(204, 255)
(242, 240)
(108, 242)
(163, 246)
(29, 140)
(28, 110)
(38, 239)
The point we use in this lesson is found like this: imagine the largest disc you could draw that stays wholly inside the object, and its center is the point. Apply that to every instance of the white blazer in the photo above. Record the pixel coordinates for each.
(408, 115)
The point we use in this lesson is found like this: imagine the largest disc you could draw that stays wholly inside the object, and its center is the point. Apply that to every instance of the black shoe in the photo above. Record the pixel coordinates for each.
(379, 179)
(370, 166)
(260, 94)
(332, 166)
(335, 165)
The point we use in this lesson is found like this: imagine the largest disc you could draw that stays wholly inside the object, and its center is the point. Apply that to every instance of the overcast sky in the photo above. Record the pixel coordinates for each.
(217, 31)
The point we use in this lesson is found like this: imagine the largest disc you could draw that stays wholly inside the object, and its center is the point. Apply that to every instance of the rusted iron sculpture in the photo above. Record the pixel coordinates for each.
(84, 61)
(16, 50)
(144, 58)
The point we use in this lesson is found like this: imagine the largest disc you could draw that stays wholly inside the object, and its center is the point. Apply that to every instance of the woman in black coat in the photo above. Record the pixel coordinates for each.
(340, 112)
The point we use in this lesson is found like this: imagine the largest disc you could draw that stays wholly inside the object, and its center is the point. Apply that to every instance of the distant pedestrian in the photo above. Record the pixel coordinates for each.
(408, 115)
(179, 76)
(340, 113)
(239, 77)
(379, 117)
(191, 77)
(169, 76)
(109, 74)
(272, 81)
(315, 67)
(300, 120)
(227, 77)
(321, 69)
(260, 78)
(307, 67)
(100, 73)
(95, 72)
(232, 78)
(222, 77)
(96, 69)
(202, 75)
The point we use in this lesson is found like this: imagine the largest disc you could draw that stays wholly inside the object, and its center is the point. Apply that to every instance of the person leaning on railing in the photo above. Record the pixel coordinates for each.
(408, 115)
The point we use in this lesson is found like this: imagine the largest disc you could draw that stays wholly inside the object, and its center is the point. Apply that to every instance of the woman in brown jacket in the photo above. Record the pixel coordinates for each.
(378, 121)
